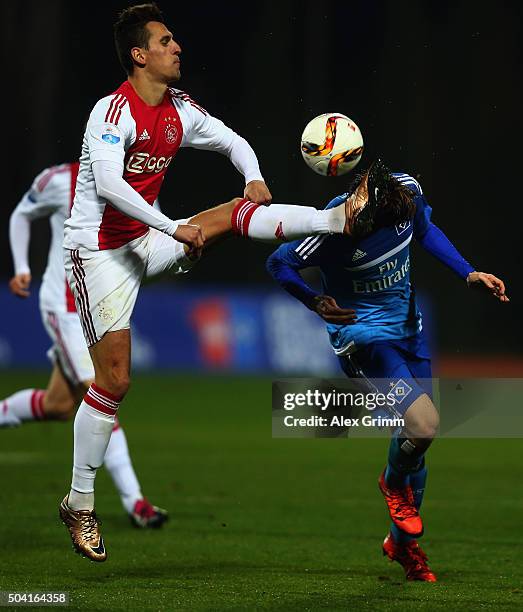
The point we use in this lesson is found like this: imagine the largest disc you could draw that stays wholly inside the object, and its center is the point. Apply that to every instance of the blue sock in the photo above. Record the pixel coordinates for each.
(395, 479)
(417, 482)
(404, 458)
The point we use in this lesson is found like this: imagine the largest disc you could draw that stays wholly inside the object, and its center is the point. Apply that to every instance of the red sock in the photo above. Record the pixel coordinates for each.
(241, 216)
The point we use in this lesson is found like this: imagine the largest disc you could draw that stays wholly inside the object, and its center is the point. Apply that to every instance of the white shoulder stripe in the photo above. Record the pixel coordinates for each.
(301, 247)
(309, 245)
(405, 179)
(314, 246)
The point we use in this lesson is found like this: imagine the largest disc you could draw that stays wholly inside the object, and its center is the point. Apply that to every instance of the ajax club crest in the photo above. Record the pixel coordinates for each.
(171, 131)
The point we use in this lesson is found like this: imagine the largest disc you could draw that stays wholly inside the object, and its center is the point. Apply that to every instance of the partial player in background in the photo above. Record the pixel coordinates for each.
(375, 328)
(114, 237)
(51, 196)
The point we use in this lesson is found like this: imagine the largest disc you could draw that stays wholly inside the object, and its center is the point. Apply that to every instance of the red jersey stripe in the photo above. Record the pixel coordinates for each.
(114, 111)
(110, 109)
(118, 111)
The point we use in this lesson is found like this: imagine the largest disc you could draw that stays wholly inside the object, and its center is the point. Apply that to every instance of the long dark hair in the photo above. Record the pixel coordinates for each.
(389, 201)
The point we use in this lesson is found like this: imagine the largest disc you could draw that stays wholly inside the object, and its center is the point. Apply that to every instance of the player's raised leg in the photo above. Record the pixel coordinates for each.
(274, 223)
(287, 222)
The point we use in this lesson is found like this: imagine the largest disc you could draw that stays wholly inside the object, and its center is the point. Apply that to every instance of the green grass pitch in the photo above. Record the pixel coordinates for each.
(256, 522)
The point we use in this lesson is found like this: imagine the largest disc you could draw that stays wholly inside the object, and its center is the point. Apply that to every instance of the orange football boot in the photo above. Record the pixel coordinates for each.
(402, 510)
(411, 557)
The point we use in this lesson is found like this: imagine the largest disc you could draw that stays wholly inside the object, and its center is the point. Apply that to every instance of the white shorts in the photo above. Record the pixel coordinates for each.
(69, 349)
(105, 284)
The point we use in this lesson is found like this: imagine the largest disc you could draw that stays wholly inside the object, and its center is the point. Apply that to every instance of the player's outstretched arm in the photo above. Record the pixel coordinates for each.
(111, 186)
(437, 244)
(434, 241)
(488, 282)
(284, 265)
(203, 131)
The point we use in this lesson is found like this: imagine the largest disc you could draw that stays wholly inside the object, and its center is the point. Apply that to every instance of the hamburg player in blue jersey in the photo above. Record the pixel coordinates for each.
(375, 326)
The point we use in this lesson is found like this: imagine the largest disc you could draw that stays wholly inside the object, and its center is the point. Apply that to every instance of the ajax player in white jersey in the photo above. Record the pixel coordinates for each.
(50, 196)
(114, 237)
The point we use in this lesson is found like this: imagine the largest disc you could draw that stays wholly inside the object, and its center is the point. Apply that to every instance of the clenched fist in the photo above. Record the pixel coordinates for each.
(192, 236)
(19, 285)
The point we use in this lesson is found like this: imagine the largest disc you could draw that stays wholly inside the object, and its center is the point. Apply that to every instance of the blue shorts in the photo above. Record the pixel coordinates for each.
(400, 367)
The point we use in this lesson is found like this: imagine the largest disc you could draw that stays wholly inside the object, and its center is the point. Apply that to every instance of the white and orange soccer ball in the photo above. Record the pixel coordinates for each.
(331, 144)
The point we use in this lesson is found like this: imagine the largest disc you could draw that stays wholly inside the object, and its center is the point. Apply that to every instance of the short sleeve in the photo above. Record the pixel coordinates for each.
(111, 130)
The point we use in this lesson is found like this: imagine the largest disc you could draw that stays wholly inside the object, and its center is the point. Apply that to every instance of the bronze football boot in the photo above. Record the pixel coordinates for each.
(84, 531)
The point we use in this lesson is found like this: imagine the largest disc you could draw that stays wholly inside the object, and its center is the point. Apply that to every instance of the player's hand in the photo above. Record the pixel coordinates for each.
(329, 311)
(489, 282)
(192, 236)
(19, 285)
(257, 191)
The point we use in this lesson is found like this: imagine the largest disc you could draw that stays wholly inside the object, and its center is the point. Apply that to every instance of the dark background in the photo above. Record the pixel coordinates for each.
(433, 85)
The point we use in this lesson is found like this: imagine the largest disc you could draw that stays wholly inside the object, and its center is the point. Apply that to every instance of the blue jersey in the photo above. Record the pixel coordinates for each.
(371, 275)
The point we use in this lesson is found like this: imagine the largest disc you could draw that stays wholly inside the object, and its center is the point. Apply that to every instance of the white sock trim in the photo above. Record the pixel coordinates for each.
(331, 221)
(77, 500)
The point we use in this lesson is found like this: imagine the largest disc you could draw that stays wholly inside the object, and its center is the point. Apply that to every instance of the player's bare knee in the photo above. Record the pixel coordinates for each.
(424, 427)
(422, 419)
(116, 382)
(120, 386)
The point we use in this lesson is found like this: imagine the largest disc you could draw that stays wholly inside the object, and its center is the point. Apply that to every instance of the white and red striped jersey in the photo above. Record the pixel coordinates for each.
(144, 140)
(50, 195)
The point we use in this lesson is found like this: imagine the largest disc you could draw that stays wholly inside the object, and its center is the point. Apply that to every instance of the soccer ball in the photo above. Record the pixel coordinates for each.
(331, 144)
